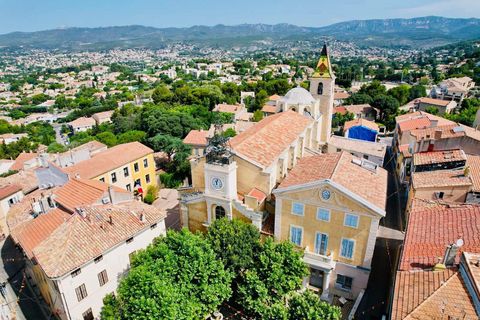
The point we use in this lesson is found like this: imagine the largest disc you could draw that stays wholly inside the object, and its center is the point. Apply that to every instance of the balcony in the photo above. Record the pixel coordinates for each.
(321, 261)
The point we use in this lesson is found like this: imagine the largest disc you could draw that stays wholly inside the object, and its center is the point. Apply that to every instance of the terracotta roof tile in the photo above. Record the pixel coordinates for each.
(269, 109)
(266, 140)
(449, 131)
(229, 108)
(340, 95)
(196, 137)
(434, 102)
(405, 149)
(440, 178)
(8, 190)
(338, 167)
(432, 226)
(340, 109)
(257, 194)
(473, 162)
(431, 157)
(81, 239)
(110, 159)
(82, 122)
(413, 124)
(360, 122)
(431, 295)
(22, 158)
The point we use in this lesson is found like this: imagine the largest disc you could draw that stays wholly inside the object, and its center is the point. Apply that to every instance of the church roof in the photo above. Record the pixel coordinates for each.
(324, 68)
(298, 95)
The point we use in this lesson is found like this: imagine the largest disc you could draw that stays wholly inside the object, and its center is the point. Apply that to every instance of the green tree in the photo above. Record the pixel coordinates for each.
(234, 242)
(358, 98)
(387, 105)
(229, 133)
(401, 93)
(277, 270)
(373, 89)
(432, 110)
(131, 136)
(257, 115)
(56, 147)
(162, 94)
(176, 277)
(417, 91)
(107, 138)
(308, 306)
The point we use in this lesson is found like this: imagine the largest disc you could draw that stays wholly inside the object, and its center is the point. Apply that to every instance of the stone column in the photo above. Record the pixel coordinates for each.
(325, 285)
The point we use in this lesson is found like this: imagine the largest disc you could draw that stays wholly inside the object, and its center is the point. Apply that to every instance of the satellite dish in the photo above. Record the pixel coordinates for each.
(459, 242)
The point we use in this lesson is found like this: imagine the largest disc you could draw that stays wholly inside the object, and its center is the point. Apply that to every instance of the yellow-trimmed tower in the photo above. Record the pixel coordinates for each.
(322, 84)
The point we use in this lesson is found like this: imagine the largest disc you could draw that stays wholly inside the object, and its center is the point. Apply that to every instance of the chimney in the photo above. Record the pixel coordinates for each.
(81, 212)
(110, 220)
(438, 134)
(142, 217)
(111, 194)
(77, 176)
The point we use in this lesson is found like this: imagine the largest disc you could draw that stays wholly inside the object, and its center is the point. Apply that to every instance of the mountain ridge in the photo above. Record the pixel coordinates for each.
(399, 31)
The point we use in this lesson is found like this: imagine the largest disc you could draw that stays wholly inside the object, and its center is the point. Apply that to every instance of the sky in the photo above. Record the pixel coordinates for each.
(35, 15)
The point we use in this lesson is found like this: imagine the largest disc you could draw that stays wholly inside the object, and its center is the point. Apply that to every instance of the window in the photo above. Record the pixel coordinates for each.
(98, 259)
(138, 183)
(297, 208)
(338, 149)
(321, 243)
(128, 187)
(12, 201)
(344, 282)
(129, 240)
(323, 214)
(153, 226)
(147, 178)
(114, 177)
(365, 156)
(351, 220)
(320, 89)
(88, 315)
(347, 248)
(440, 194)
(135, 166)
(296, 235)
(219, 212)
(76, 272)
(102, 179)
(102, 277)
(125, 172)
(145, 163)
(81, 292)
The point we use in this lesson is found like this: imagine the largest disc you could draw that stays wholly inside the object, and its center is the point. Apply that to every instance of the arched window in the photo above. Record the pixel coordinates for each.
(219, 212)
(320, 88)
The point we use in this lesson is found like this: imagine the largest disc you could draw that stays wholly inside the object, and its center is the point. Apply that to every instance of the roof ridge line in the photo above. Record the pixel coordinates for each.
(340, 157)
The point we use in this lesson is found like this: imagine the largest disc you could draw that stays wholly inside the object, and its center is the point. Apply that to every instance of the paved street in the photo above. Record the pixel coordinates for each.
(377, 295)
(19, 297)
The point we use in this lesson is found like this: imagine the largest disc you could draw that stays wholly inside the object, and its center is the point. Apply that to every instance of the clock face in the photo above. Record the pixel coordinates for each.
(217, 183)
(326, 194)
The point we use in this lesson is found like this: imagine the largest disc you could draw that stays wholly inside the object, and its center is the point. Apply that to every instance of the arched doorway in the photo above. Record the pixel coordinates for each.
(219, 212)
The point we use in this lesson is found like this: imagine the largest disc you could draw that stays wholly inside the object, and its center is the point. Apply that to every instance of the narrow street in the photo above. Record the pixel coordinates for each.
(21, 301)
(375, 302)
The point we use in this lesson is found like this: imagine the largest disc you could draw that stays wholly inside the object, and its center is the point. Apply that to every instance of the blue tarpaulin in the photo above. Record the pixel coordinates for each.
(362, 133)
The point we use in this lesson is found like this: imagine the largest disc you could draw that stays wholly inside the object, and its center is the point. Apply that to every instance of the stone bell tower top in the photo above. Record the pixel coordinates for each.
(324, 67)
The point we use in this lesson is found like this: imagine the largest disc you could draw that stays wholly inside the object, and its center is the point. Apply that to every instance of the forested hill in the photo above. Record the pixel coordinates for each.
(422, 32)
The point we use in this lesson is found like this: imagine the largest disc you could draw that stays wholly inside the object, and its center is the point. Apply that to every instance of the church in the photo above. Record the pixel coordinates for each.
(238, 180)
(255, 175)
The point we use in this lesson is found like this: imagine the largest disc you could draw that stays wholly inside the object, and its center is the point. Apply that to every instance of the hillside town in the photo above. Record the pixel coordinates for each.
(207, 183)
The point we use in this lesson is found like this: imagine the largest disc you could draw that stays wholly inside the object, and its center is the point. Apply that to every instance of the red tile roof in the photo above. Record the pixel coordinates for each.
(80, 239)
(434, 102)
(257, 194)
(269, 109)
(360, 122)
(80, 192)
(449, 131)
(432, 226)
(340, 109)
(418, 123)
(108, 160)
(339, 167)
(473, 163)
(404, 148)
(229, 108)
(8, 190)
(36, 230)
(265, 141)
(440, 178)
(431, 157)
(196, 138)
(22, 158)
(431, 295)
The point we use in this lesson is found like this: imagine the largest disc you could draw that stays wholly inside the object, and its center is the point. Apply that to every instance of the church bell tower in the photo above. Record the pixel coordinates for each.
(322, 84)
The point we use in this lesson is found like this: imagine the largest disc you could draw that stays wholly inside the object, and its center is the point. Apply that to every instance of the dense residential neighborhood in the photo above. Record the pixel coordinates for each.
(307, 177)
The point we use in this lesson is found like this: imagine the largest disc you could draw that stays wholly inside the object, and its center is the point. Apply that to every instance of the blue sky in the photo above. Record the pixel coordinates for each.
(33, 15)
